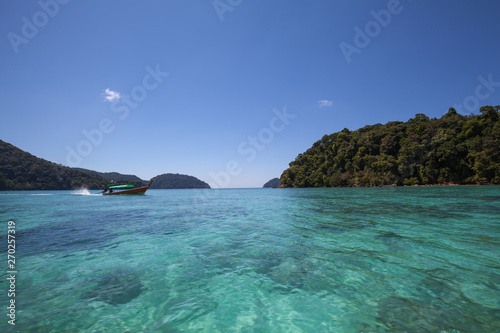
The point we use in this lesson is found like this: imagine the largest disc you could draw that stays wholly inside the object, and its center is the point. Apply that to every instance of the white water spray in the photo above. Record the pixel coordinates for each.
(83, 191)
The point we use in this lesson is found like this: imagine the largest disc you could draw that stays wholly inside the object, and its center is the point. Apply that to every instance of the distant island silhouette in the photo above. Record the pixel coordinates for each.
(275, 182)
(177, 181)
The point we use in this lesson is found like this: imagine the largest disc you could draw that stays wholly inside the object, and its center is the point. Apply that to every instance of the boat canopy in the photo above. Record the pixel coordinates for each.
(120, 186)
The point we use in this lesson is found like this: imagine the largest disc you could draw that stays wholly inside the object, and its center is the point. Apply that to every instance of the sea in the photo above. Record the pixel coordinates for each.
(402, 259)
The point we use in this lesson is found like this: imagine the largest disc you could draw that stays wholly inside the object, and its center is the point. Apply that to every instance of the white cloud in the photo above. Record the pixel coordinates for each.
(325, 102)
(110, 95)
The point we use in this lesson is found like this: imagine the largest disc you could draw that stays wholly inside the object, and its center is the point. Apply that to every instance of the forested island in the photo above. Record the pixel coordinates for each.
(20, 170)
(454, 149)
(177, 181)
(275, 182)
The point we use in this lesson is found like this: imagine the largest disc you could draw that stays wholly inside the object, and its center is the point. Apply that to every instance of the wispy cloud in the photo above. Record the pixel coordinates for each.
(324, 103)
(110, 95)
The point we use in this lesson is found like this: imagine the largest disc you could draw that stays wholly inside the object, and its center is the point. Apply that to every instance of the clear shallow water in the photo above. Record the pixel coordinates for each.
(256, 260)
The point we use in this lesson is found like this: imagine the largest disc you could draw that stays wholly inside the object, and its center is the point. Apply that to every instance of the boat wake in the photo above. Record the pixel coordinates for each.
(83, 191)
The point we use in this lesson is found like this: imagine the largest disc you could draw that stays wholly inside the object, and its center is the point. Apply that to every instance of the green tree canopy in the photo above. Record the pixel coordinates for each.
(452, 149)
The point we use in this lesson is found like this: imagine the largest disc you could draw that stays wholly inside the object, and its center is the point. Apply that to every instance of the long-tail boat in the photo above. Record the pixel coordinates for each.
(125, 189)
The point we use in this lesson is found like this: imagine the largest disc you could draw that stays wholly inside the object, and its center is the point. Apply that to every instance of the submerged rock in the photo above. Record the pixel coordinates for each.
(68, 236)
(338, 227)
(389, 236)
(179, 311)
(414, 315)
(116, 287)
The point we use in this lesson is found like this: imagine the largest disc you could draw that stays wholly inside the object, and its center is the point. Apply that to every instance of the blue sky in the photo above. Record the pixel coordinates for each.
(231, 91)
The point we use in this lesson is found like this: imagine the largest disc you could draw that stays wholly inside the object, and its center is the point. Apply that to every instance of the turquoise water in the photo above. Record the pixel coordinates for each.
(417, 259)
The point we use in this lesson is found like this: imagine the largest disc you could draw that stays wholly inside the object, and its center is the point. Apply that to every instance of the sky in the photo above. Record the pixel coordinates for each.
(231, 91)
